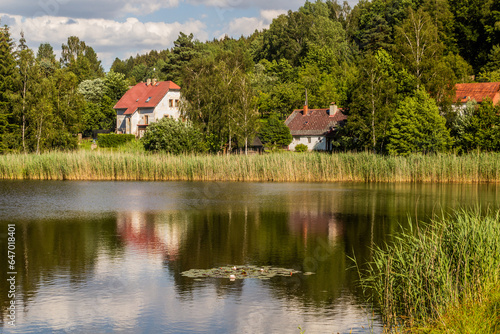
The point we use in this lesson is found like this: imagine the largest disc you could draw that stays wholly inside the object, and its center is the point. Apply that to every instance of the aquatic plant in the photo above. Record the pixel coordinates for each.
(429, 269)
(277, 167)
(240, 272)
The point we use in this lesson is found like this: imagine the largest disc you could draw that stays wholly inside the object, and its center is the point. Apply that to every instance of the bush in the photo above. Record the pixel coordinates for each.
(113, 139)
(301, 148)
(171, 136)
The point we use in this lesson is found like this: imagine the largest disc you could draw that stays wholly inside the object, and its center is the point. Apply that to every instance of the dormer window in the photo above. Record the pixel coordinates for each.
(149, 98)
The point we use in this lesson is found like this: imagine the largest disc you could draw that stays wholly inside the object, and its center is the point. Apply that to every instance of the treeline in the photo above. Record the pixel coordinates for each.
(45, 103)
(391, 64)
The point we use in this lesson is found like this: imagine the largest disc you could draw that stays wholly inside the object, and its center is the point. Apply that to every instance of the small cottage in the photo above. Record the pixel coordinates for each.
(145, 103)
(315, 127)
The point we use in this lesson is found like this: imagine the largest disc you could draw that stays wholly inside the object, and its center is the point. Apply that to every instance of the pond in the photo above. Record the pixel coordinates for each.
(112, 256)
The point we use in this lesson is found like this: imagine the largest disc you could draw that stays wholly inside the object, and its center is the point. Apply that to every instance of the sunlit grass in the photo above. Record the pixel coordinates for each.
(131, 162)
(437, 276)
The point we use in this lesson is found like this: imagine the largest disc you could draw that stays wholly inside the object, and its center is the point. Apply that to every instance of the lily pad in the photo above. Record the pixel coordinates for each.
(234, 272)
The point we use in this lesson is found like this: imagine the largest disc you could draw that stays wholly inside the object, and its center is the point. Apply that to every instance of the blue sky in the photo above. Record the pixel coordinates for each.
(123, 28)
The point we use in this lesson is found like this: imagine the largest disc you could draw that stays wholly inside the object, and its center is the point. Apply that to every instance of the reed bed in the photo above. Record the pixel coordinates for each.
(427, 272)
(278, 167)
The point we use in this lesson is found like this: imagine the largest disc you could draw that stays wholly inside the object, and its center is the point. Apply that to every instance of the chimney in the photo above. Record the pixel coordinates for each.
(154, 82)
(306, 107)
(333, 109)
(148, 82)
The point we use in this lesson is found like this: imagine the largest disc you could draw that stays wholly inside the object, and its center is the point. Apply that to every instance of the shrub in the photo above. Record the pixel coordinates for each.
(113, 139)
(301, 148)
(171, 136)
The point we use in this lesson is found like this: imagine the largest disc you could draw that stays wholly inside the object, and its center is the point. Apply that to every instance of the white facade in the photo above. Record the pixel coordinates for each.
(137, 122)
(313, 143)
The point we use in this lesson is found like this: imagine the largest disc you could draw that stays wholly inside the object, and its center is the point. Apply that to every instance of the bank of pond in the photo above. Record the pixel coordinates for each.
(274, 167)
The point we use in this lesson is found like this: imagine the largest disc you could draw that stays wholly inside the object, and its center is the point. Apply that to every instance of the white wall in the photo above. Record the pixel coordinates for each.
(317, 143)
(163, 108)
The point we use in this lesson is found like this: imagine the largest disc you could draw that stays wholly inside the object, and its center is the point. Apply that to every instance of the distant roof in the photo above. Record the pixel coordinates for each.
(317, 122)
(143, 95)
(478, 92)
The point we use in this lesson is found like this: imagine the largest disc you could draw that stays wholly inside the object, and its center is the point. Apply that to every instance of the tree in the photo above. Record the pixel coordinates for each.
(183, 52)
(7, 82)
(373, 101)
(275, 134)
(417, 126)
(81, 59)
(418, 46)
(173, 136)
(217, 99)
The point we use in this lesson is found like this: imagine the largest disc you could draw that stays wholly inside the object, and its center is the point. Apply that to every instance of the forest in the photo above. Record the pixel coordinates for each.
(390, 64)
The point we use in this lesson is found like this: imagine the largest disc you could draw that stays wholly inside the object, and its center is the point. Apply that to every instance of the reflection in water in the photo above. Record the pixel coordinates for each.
(100, 265)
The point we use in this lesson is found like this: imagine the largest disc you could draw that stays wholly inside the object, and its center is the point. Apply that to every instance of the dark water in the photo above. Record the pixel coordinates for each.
(100, 257)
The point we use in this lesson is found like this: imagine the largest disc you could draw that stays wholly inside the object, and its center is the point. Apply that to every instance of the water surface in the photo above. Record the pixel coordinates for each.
(108, 256)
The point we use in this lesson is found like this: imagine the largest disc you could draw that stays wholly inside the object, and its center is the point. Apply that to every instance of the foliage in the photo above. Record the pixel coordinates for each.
(173, 136)
(275, 134)
(417, 126)
(113, 139)
(301, 148)
(453, 258)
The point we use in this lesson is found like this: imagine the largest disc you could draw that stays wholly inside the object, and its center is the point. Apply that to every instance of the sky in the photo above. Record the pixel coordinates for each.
(124, 28)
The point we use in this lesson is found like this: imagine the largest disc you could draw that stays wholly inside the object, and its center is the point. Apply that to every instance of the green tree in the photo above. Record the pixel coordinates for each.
(46, 59)
(81, 59)
(182, 53)
(173, 136)
(374, 101)
(275, 134)
(417, 126)
(7, 86)
(418, 46)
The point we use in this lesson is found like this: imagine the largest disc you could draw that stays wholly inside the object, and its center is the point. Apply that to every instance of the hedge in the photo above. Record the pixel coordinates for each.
(113, 139)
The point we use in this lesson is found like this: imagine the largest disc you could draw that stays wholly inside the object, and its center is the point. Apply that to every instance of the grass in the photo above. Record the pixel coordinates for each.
(132, 163)
(442, 277)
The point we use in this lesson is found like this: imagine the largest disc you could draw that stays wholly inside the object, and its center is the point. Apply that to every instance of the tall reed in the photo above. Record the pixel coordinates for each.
(279, 167)
(427, 270)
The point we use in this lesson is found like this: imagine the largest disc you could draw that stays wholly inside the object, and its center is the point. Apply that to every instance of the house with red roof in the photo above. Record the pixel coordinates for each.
(315, 128)
(145, 103)
(476, 92)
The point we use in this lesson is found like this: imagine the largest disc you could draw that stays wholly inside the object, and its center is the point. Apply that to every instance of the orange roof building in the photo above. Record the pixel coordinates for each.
(145, 103)
(315, 127)
(478, 92)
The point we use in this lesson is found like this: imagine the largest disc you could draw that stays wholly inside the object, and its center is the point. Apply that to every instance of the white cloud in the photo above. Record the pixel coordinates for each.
(85, 9)
(108, 38)
(262, 4)
(247, 25)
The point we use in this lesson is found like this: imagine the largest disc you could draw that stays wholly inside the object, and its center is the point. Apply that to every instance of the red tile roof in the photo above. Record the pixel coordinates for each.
(478, 92)
(317, 122)
(137, 96)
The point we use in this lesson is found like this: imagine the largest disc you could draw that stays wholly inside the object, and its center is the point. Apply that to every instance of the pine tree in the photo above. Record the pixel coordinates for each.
(417, 126)
(7, 80)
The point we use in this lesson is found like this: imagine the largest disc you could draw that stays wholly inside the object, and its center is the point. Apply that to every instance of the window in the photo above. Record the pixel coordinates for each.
(177, 103)
(309, 140)
(170, 103)
(146, 119)
(149, 99)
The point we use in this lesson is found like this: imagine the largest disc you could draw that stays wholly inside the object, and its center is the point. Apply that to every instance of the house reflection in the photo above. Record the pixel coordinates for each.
(316, 223)
(154, 235)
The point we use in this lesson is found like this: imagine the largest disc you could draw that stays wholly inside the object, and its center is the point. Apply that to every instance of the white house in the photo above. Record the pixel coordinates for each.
(145, 103)
(315, 127)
